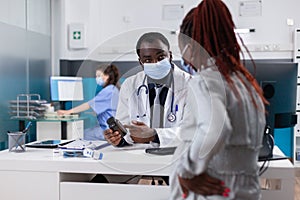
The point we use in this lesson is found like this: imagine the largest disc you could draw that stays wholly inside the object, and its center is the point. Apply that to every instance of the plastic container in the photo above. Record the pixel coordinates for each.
(16, 141)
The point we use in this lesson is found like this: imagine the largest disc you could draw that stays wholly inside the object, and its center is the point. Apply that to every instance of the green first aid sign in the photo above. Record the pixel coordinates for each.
(76, 35)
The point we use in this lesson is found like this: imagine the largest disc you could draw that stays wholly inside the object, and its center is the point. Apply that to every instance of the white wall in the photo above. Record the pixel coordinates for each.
(112, 27)
(12, 12)
(273, 37)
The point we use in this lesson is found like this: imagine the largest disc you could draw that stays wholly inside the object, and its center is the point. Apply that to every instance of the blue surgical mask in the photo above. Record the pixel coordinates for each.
(187, 67)
(100, 81)
(158, 70)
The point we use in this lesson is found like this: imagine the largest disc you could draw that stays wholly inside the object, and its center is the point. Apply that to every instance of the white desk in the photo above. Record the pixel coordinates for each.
(36, 174)
(280, 179)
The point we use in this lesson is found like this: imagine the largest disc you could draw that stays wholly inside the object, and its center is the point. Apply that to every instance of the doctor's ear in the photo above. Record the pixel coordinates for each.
(141, 63)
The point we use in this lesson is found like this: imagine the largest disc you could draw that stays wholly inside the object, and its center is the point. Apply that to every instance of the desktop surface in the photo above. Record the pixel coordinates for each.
(66, 178)
(131, 160)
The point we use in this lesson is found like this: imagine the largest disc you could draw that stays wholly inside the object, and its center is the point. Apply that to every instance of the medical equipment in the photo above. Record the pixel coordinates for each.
(138, 95)
(171, 116)
(116, 125)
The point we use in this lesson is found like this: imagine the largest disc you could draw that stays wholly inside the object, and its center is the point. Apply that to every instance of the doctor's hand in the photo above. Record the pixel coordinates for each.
(140, 132)
(111, 137)
(203, 184)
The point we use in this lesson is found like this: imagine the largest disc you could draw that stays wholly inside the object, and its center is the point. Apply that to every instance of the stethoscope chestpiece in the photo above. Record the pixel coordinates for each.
(171, 117)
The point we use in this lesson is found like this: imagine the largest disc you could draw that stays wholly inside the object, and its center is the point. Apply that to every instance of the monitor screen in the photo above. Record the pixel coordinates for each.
(66, 88)
(279, 83)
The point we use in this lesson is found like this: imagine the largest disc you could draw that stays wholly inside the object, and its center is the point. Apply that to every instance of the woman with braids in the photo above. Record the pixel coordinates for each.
(224, 118)
(104, 104)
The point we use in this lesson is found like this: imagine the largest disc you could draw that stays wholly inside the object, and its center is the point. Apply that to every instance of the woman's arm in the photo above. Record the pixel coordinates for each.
(77, 109)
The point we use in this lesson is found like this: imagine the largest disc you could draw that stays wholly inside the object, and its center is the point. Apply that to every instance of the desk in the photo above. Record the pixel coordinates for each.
(36, 174)
(281, 179)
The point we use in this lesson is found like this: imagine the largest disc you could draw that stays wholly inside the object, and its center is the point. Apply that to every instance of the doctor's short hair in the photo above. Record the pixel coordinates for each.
(112, 71)
(151, 37)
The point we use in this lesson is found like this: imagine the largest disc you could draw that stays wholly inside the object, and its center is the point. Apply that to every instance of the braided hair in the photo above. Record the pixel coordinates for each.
(210, 25)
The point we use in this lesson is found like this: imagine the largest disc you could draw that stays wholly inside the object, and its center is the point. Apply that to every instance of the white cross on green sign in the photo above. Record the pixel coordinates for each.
(76, 35)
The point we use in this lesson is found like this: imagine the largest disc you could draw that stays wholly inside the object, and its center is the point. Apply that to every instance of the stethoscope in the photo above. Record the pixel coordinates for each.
(171, 116)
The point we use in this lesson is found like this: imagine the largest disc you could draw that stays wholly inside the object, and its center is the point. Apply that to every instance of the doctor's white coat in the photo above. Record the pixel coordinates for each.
(133, 104)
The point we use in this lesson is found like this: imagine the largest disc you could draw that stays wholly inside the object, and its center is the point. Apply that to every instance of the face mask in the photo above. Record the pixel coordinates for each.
(186, 67)
(100, 81)
(158, 70)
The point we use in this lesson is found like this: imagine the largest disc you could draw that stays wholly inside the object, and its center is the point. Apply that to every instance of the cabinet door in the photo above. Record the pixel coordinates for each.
(48, 130)
(75, 129)
(16, 185)
(80, 191)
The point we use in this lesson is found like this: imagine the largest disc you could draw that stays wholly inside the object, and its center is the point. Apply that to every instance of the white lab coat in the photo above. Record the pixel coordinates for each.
(131, 105)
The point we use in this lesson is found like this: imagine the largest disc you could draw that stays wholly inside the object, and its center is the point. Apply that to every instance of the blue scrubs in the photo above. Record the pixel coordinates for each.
(105, 106)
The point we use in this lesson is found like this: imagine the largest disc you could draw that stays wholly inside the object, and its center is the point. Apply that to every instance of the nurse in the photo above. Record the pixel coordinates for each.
(104, 104)
(152, 101)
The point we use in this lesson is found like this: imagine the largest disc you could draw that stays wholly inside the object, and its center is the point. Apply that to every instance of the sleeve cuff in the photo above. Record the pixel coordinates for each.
(122, 143)
(156, 138)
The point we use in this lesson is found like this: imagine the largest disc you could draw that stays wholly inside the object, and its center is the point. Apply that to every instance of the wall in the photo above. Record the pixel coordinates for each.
(24, 56)
(111, 26)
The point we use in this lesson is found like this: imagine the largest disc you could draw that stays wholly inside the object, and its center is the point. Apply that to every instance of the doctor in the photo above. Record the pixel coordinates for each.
(151, 103)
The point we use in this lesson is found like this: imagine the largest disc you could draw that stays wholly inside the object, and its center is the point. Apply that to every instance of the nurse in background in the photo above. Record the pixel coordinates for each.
(104, 104)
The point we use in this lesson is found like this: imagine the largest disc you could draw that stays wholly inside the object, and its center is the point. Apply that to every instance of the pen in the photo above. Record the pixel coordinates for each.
(176, 108)
(27, 127)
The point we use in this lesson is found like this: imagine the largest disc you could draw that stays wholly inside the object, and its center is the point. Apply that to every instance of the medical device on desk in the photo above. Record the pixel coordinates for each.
(116, 125)
(171, 116)
(82, 148)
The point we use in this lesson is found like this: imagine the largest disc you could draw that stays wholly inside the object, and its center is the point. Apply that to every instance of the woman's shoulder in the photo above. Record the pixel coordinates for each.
(108, 89)
(179, 73)
(209, 76)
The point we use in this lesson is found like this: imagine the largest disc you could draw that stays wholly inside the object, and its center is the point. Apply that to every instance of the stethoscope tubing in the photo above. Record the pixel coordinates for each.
(147, 92)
